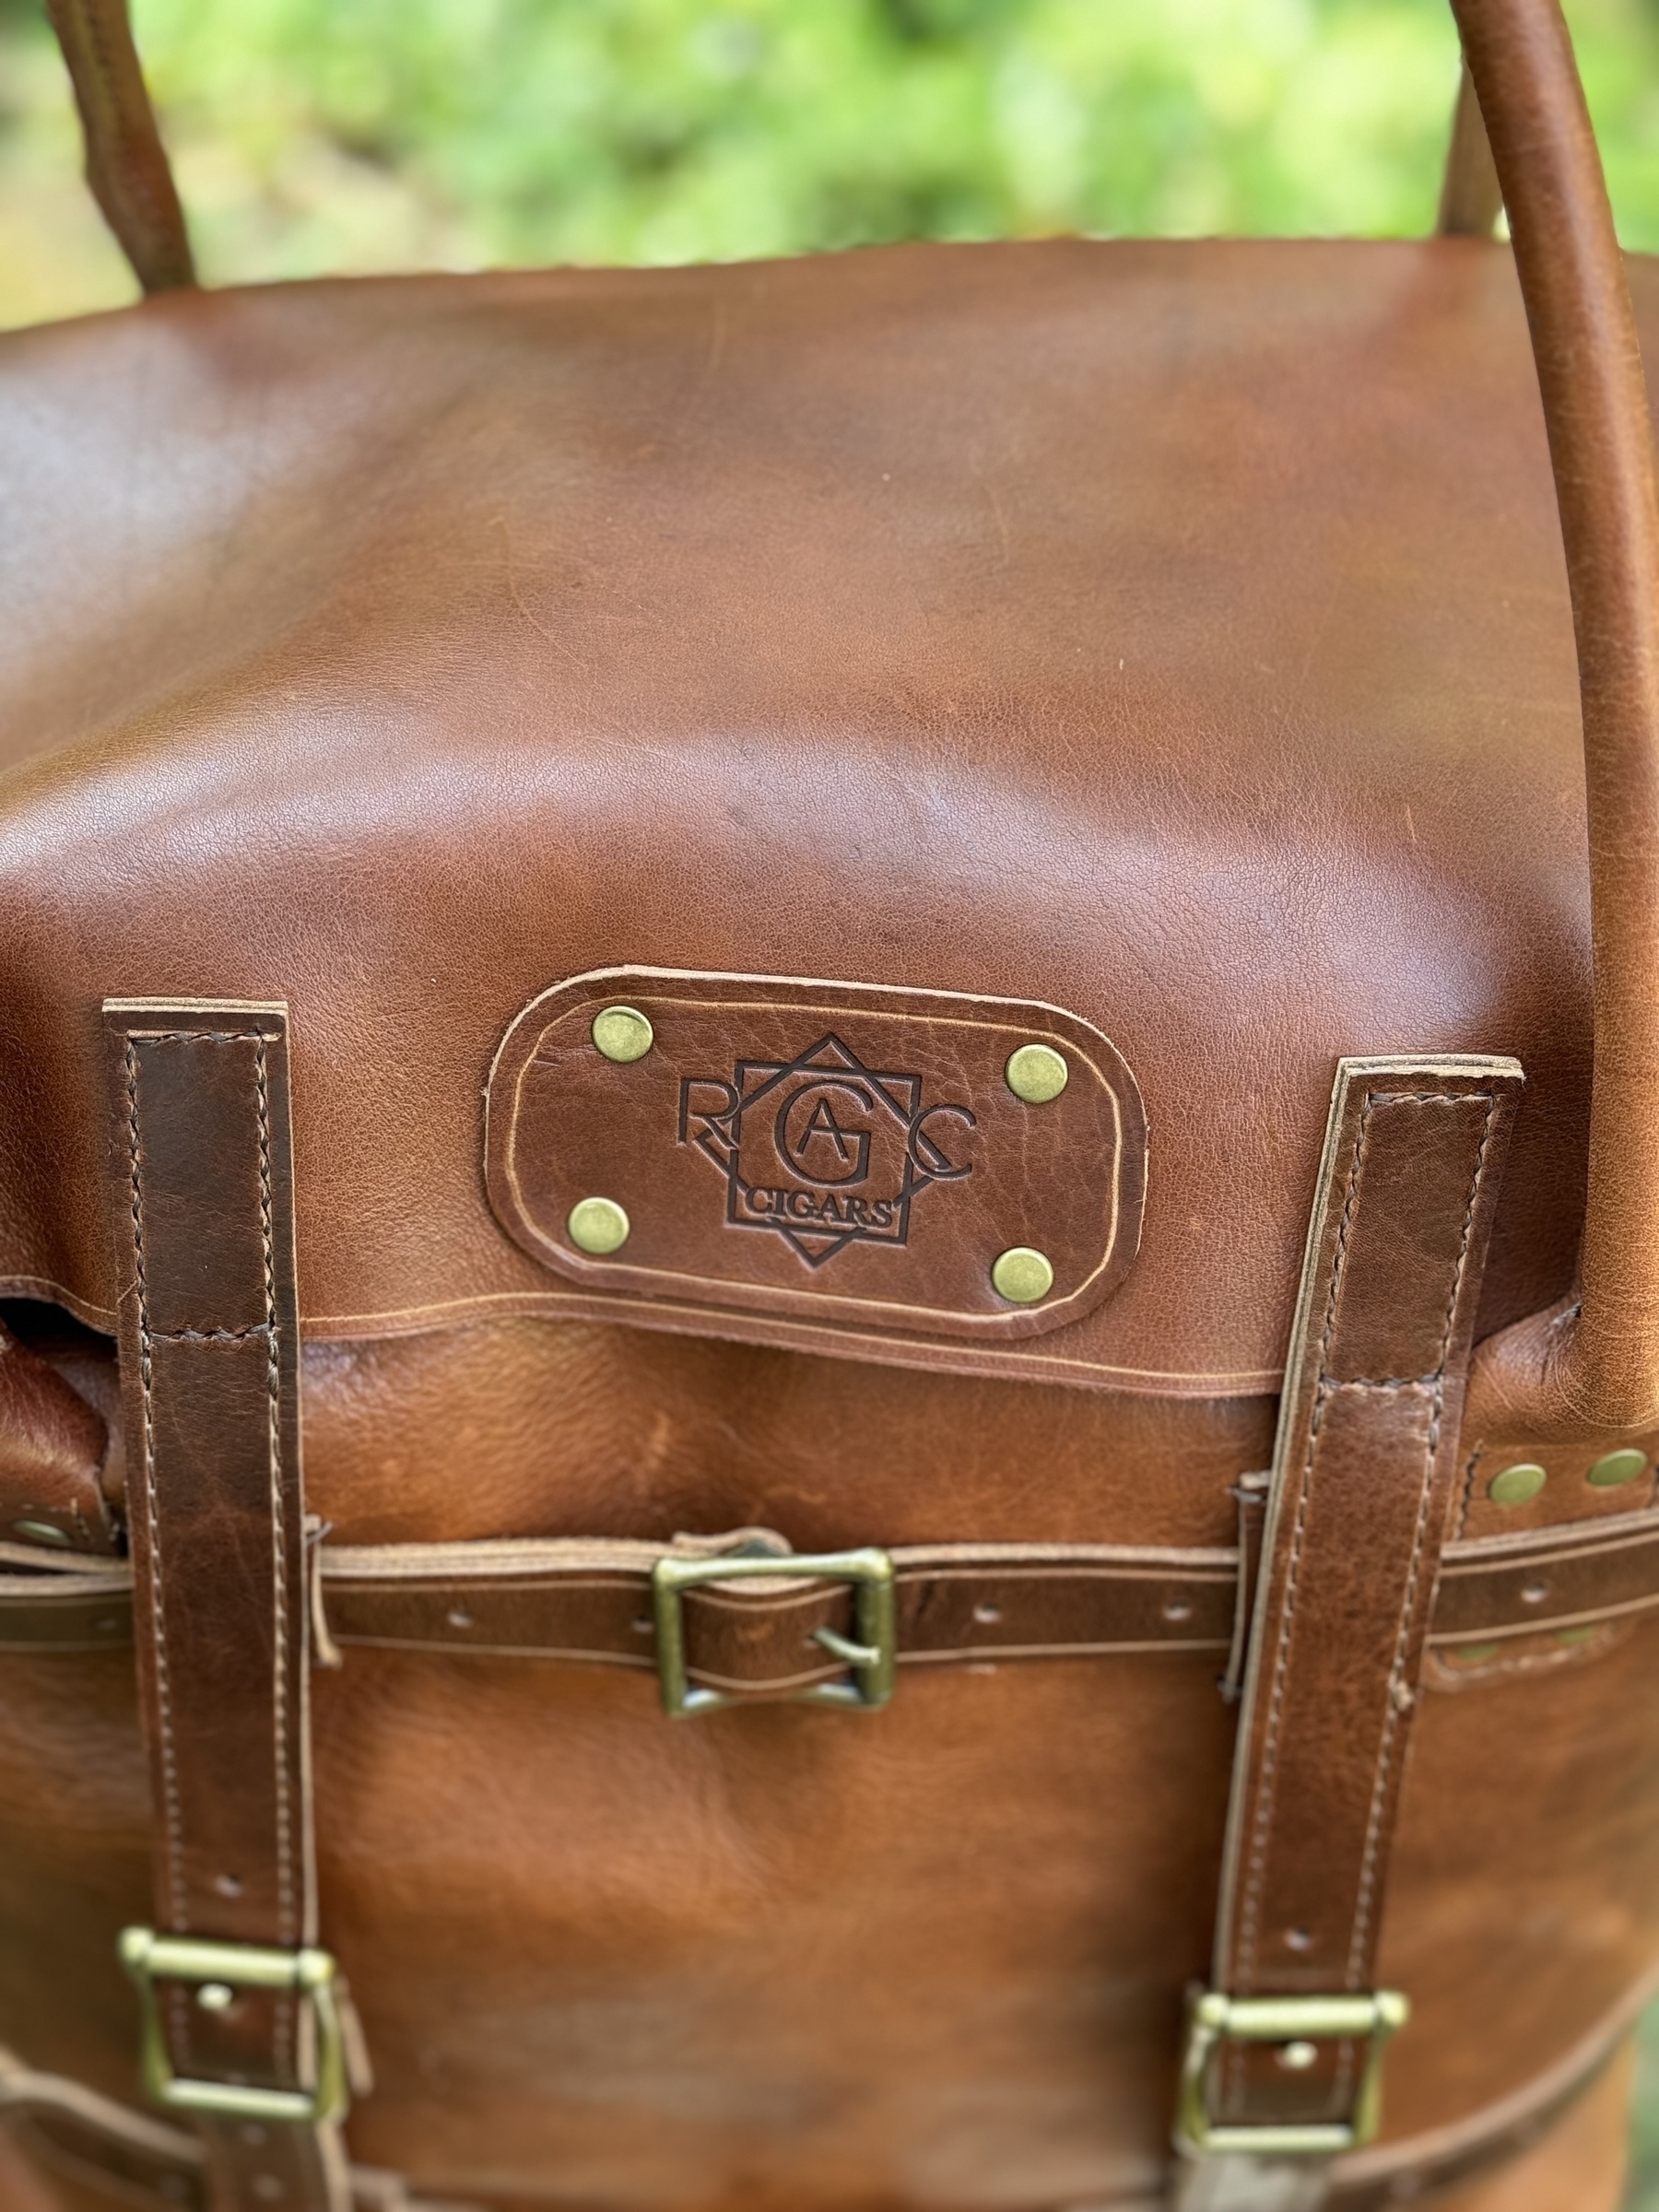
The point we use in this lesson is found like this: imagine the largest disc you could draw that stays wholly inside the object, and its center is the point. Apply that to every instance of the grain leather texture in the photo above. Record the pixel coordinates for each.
(1176, 634)
(854, 1156)
(202, 1214)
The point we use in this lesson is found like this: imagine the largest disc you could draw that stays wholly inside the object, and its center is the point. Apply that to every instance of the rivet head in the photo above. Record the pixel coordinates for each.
(1297, 2057)
(622, 1034)
(1616, 1467)
(598, 1225)
(41, 1531)
(1515, 1485)
(1022, 1276)
(1037, 1073)
(216, 1996)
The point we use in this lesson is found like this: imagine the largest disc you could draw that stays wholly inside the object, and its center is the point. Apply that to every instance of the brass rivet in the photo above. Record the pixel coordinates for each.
(1517, 1484)
(1297, 2056)
(1022, 1276)
(41, 1531)
(598, 1225)
(1037, 1073)
(1616, 1468)
(216, 1996)
(623, 1034)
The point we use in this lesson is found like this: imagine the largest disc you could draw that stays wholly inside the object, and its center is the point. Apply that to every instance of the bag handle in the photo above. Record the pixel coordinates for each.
(1591, 1362)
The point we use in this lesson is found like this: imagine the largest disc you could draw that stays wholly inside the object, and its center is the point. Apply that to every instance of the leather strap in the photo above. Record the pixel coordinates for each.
(1364, 1475)
(1591, 1365)
(1471, 198)
(126, 164)
(960, 1603)
(210, 1367)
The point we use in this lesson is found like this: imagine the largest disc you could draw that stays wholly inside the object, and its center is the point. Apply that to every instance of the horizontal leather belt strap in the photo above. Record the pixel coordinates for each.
(957, 1603)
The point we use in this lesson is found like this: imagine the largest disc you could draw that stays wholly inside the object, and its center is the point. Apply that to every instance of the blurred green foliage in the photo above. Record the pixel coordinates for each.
(348, 135)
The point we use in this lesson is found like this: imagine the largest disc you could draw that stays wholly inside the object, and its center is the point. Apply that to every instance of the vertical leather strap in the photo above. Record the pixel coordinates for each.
(127, 163)
(1363, 1477)
(210, 1365)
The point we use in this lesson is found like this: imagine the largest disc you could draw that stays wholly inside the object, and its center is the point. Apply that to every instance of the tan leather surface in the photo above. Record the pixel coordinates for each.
(1175, 634)
(1357, 426)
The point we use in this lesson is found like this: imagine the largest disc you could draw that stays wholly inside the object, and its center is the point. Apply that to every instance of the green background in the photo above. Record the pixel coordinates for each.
(352, 135)
(316, 136)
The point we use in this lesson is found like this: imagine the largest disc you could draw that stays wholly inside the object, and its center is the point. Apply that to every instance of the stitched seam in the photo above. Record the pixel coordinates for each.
(1399, 1696)
(286, 1930)
(178, 1896)
(1256, 1864)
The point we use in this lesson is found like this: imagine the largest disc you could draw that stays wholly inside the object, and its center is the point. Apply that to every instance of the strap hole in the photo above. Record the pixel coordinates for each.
(1298, 1939)
(457, 1618)
(1177, 1609)
(228, 1885)
(268, 2188)
(645, 1626)
(1533, 1593)
(253, 2135)
(987, 1616)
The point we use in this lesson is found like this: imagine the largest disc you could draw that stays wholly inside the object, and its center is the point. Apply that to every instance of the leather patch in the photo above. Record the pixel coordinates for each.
(818, 1148)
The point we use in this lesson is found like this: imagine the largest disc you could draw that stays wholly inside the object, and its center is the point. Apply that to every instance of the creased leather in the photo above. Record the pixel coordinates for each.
(53, 1449)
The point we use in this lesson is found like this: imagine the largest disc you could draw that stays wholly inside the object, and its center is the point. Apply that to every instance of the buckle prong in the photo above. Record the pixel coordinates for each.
(1214, 2019)
(309, 1973)
(871, 1657)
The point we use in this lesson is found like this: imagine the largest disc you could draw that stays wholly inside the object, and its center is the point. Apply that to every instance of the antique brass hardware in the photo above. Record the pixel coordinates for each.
(622, 1034)
(41, 1531)
(598, 1225)
(871, 1658)
(1022, 1274)
(1516, 1485)
(1616, 1467)
(1296, 2024)
(1037, 1073)
(218, 1970)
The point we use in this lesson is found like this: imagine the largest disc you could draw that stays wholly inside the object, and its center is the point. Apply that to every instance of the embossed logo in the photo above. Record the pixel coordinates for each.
(822, 1150)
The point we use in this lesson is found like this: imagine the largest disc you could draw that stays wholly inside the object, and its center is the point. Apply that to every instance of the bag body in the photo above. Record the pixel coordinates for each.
(688, 931)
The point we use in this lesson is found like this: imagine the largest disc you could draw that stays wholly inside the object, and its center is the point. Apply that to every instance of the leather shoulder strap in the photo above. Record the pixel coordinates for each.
(1363, 1477)
(126, 164)
(210, 1365)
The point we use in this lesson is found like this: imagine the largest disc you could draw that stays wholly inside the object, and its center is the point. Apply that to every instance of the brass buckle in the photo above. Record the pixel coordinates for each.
(310, 1974)
(1214, 2020)
(870, 1660)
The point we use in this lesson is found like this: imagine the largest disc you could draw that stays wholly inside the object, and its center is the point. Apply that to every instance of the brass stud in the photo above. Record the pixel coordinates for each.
(1022, 1276)
(1616, 1467)
(622, 1034)
(1037, 1073)
(598, 1225)
(41, 1531)
(1516, 1485)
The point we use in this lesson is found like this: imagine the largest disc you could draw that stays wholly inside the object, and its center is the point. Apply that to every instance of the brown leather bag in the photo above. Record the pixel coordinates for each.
(830, 1536)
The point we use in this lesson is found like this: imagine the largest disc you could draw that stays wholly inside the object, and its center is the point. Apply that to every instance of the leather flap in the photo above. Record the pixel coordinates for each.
(823, 1149)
